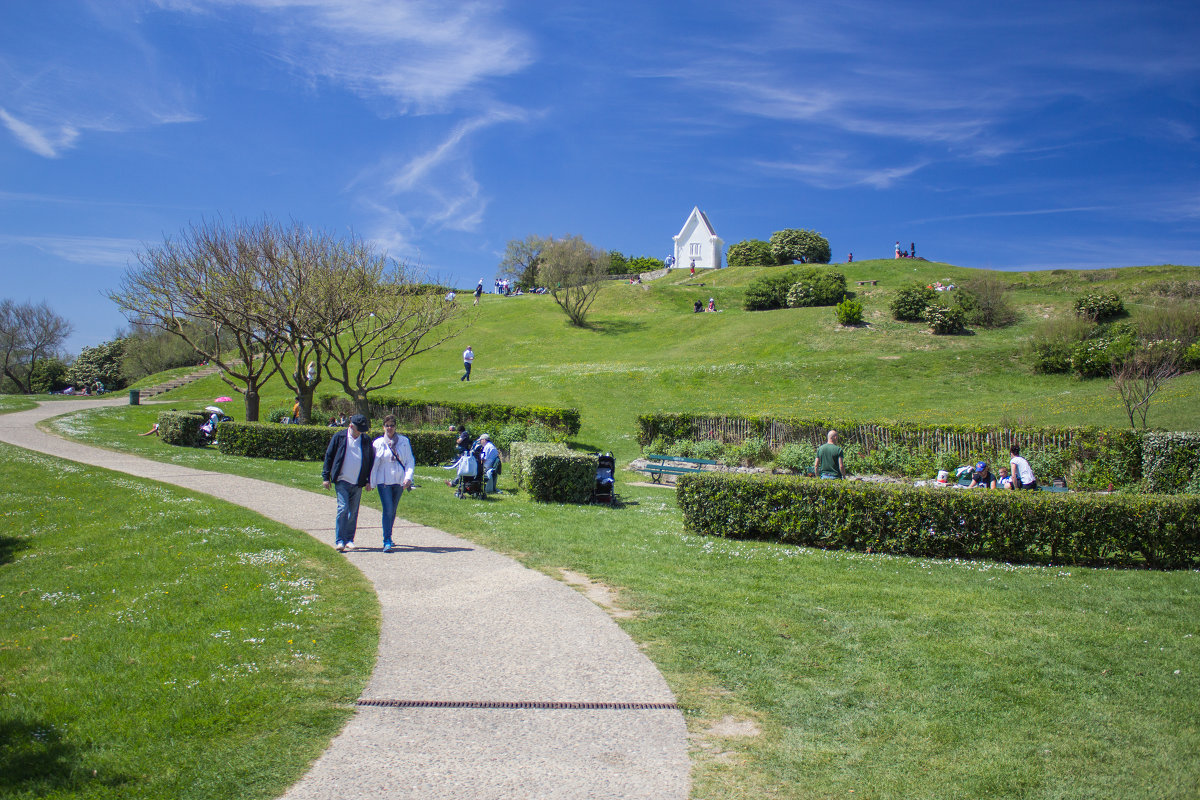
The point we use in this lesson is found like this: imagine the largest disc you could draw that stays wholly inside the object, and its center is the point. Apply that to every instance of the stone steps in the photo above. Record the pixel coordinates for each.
(175, 383)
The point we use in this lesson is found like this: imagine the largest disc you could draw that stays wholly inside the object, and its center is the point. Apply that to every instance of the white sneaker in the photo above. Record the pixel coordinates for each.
(348, 546)
(341, 547)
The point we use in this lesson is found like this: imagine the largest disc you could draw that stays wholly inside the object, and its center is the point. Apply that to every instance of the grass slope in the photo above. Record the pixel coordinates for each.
(155, 643)
(646, 351)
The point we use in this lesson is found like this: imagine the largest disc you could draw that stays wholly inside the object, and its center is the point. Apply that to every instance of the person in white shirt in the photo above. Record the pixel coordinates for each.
(391, 474)
(468, 359)
(1022, 473)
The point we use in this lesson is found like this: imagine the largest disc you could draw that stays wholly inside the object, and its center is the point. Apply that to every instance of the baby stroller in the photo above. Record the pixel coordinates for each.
(470, 474)
(606, 467)
(208, 431)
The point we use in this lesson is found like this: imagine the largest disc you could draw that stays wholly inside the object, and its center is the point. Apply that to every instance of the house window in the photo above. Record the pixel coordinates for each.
(694, 249)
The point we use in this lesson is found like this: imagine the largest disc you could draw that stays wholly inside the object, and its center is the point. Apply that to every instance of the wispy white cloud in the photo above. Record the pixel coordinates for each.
(100, 251)
(421, 55)
(1028, 212)
(45, 143)
(833, 171)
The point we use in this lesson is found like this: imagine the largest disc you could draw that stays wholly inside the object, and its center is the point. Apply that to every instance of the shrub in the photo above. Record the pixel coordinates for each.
(1094, 358)
(770, 291)
(644, 264)
(1191, 357)
(750, 253)
(181, 428)
(308, 442)
(910, 301)
(944, 319)
(1171, 461)
(849, 312)
(506, 435)
(478, 415)
(754, 451)
(800, 244)
(553, 474)
(1155, 530)
(984, 301)
(520, 453)
(1050, 348)
(816, 287)
(1099, 306)
(798, 457)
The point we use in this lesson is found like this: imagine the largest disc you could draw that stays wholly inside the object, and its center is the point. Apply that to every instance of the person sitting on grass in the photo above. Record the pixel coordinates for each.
(982, 476)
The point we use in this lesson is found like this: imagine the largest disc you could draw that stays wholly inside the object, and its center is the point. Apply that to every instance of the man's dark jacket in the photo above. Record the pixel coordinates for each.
(335, 454)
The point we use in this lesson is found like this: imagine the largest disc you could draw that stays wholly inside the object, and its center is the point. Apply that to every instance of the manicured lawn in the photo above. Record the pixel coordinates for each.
(155, 643)
(892, 677)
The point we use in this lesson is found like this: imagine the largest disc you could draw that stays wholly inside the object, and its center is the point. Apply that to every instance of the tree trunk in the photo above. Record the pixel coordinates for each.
(361, 405)
(306, 401)
(251, 404)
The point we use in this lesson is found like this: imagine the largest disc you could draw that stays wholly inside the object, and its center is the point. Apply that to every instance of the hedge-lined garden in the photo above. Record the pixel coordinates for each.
(308, 442)
(476, 415)
(1088, 457)
(1157, 531)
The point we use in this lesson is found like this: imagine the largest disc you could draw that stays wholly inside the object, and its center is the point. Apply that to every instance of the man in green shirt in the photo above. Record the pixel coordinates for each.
(829, 463)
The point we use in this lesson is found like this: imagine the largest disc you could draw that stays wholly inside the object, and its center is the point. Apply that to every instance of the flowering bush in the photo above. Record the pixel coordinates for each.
(1093, 358)
(944, 319)
(1099, 306)
(817, 287)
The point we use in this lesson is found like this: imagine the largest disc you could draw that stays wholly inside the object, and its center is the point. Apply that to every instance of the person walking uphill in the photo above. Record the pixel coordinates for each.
(830, 462)
(348, 462)
(392, 474)
(468, 359)
(478, 292)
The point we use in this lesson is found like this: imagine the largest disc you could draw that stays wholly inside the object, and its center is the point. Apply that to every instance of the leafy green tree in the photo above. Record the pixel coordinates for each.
(816, 287)
(645, 264)
(618, 264)
(100, 363)
(800, 244)
(751, 253)
(49, 375)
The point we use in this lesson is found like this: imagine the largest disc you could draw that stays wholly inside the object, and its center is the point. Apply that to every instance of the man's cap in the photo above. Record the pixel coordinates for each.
(981, 466)
(362, 423)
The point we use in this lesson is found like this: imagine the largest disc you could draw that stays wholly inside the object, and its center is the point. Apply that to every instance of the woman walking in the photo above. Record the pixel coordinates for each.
(392, 474)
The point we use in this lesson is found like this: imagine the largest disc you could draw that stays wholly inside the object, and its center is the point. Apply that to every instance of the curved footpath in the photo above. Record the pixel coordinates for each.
(491, 681)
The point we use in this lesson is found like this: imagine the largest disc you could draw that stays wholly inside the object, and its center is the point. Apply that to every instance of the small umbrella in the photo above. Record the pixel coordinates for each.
(213, 410)
(223, 400)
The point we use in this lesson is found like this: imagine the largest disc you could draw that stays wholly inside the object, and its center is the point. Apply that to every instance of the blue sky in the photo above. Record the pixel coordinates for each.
(1009, 135)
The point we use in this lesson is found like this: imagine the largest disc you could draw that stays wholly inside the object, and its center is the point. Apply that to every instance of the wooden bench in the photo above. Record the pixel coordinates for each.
(674, 465)
(864, 283)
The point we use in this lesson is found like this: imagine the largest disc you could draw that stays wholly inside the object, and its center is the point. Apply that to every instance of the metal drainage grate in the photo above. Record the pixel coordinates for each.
(519, 704)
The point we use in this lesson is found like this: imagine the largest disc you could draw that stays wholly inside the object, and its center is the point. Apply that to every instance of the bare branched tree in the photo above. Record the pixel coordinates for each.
(1139, 376)
(29, 334)
(206, 286)
(573, 271)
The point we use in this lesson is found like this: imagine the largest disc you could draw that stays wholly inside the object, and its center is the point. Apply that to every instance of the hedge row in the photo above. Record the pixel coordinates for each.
(308, 442)
(1089, 457)
(424, 412)
(1157, 531)
(181, 428)
(551, 473)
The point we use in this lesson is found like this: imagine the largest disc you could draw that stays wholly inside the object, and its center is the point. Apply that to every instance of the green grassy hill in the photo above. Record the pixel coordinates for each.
(647, 351)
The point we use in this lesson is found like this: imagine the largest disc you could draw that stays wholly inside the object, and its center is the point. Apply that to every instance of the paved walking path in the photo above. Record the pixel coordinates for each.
(492, 680)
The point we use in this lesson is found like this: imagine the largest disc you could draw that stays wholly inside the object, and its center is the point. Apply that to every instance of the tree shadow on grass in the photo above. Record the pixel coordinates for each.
(615, 327)
(35, 761)
(10, 546)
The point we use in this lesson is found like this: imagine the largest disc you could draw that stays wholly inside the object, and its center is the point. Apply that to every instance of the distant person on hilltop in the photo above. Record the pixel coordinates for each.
(830, 461)
(478, 292)
(850, 258)
(897, 248)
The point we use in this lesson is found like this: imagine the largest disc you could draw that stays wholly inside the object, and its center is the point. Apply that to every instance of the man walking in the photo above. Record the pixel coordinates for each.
(829, 463)
(468, 359)
(348, 461)
(478, 292)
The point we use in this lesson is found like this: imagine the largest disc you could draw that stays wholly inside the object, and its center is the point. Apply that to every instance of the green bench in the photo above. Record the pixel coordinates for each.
(673, 465)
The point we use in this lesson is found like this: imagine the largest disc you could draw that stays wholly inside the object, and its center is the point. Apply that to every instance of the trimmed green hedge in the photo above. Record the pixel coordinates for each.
(181, 428)
(551, 473)
(474, 415)
(1171, 462)
(308, 442)
(1158, 531)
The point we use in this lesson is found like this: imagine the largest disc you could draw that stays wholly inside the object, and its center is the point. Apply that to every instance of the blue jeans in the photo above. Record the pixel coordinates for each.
(346, 522)
(389, 498)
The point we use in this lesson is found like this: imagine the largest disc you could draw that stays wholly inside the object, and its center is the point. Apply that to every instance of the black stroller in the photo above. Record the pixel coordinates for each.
(470, 475)
(606, 470)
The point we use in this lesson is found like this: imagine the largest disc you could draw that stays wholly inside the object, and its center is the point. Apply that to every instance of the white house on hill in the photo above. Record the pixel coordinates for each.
(698, 244)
